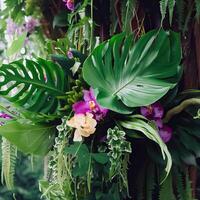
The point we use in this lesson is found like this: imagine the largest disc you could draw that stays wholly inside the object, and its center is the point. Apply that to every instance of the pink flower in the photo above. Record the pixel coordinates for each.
(165, 133)
(90, 105)
(85, 125)
(155, 113)
(31, 24)
(69, 4)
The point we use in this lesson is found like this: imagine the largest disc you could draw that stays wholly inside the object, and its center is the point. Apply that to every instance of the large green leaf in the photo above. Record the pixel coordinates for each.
(126, 75)
(33, 85)
(34, 139)
(139, 124)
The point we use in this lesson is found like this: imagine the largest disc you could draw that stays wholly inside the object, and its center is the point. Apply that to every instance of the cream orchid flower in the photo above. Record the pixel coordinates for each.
(85, 125)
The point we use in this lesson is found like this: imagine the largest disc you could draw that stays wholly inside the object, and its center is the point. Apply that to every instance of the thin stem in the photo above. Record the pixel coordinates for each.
(92, 26)
(178, 109)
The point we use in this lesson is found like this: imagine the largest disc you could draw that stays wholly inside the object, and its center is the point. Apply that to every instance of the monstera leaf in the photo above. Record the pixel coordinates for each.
(33, 85)
(125, 76)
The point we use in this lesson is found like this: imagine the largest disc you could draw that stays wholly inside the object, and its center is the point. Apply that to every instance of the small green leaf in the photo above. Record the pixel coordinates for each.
(101, 158)
(77, 149)
(16, 45)
(81, 152)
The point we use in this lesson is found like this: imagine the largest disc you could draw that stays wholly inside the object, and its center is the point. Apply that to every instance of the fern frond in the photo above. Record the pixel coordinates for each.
(188, 188)
(9, 155)
(128, 12)
(179, 182)
(166, 192)
(113, 16)
(197, 5)
(180, 4)
(163, 9)
(171, 5)
(150, 181)
(164, 4)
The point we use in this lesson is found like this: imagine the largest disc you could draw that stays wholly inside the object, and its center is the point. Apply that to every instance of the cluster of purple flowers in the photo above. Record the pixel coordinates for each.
(155, 112)
(90, 105)
(29, 26)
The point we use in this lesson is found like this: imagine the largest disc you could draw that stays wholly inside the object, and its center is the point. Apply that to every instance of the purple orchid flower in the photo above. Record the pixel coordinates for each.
(69, 4)
(155, 112)
(89, 105)
(165, 133)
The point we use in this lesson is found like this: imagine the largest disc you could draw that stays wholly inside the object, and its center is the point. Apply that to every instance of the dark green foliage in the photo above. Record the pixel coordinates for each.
(184, 145)
(26, 180)
(197, 4)
(143, 126)
(166, 192)
(180, 4)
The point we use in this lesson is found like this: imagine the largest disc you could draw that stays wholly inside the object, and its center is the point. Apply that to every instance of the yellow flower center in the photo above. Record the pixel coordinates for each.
(150, 109)
(92, 105)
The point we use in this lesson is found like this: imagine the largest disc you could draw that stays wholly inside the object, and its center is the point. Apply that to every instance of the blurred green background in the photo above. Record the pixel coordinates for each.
(26, 180)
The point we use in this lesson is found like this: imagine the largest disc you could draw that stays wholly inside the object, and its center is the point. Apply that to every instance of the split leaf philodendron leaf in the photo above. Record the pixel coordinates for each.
(138, 124)
(34, 139)
(34, 86)
(126, 75)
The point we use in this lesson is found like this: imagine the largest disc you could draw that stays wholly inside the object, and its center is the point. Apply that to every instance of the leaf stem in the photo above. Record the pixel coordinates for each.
(178, 109)
(92, 26)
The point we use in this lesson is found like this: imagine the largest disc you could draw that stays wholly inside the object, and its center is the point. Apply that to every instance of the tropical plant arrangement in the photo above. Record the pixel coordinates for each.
(110, 118)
